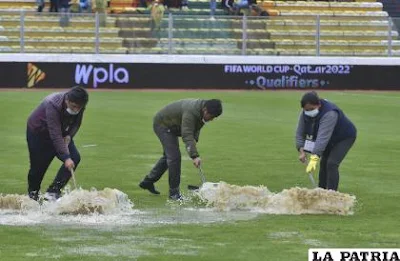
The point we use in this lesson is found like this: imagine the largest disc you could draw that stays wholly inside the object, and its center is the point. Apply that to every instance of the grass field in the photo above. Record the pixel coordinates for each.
(251, 144)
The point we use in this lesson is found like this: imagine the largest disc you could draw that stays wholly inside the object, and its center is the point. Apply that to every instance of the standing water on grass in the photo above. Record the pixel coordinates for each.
(213, 202)
(108, 207)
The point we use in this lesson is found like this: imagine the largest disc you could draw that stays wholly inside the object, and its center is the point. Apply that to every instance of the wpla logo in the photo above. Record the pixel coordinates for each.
(99, 74)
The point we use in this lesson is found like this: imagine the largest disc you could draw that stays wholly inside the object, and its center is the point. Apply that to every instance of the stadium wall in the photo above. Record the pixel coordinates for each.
(198, 72)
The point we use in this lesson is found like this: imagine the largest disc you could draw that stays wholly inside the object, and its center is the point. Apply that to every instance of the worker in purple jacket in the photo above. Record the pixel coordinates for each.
(50, 132)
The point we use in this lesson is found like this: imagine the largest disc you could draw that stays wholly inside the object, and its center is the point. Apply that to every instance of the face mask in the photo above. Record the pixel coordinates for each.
(312, 113)
(71, 112)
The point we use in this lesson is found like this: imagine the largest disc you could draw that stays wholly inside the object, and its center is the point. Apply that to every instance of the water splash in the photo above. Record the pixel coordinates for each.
(213, 202)
(296, 201)
(75, 202)
(84, 202)
(107, 208)
(79, 206)
(17, 202)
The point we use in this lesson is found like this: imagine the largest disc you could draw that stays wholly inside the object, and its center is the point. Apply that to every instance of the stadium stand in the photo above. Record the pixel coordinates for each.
(346, 28)
(393, 9)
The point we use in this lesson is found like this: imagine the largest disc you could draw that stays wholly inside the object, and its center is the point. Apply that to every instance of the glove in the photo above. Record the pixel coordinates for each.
(312, 163)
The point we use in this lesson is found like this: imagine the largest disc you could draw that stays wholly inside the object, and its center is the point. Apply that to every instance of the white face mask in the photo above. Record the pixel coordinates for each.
(312, 113)
(71, 112)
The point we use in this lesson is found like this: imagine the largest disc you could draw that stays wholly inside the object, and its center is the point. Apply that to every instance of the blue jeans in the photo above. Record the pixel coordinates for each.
(41, 154)
(40, 4)
(242, 4)
(213, 7)
(64, 18)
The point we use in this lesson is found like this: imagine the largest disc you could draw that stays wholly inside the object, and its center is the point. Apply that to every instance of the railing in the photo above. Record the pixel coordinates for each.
(181, 34)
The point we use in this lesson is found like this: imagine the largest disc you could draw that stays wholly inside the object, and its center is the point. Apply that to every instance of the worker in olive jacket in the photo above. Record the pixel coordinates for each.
(181, 118)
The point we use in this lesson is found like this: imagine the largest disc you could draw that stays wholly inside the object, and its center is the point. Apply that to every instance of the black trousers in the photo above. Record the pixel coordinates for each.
(170, 160)
(53, 6)
(330, 161)
(41, 154)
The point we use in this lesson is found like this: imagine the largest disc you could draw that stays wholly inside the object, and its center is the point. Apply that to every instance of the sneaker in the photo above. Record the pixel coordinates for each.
(185, 8)
(51, 196)
(34, 194)
(149, 186)
(176, 196)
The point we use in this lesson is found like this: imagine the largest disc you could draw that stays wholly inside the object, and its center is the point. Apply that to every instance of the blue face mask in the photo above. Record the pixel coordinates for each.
(312, 113)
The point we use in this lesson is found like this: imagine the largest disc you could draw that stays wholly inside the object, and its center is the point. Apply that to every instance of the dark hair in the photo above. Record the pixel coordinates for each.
(309, 98)
(214, 107)
(78, 95)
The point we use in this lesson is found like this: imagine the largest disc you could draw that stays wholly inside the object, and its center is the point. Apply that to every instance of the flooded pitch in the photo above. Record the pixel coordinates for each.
(213, 202)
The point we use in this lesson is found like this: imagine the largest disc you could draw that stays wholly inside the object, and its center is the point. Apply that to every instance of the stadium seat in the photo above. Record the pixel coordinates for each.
(291, 26)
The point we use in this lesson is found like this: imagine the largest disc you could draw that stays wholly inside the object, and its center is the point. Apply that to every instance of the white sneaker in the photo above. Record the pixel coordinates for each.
(185, 8)
(49, 196)
(212, 18)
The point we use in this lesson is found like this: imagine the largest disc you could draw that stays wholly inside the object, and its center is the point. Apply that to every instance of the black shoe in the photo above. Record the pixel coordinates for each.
(176, 196)
(149, 186)
(34, 194)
